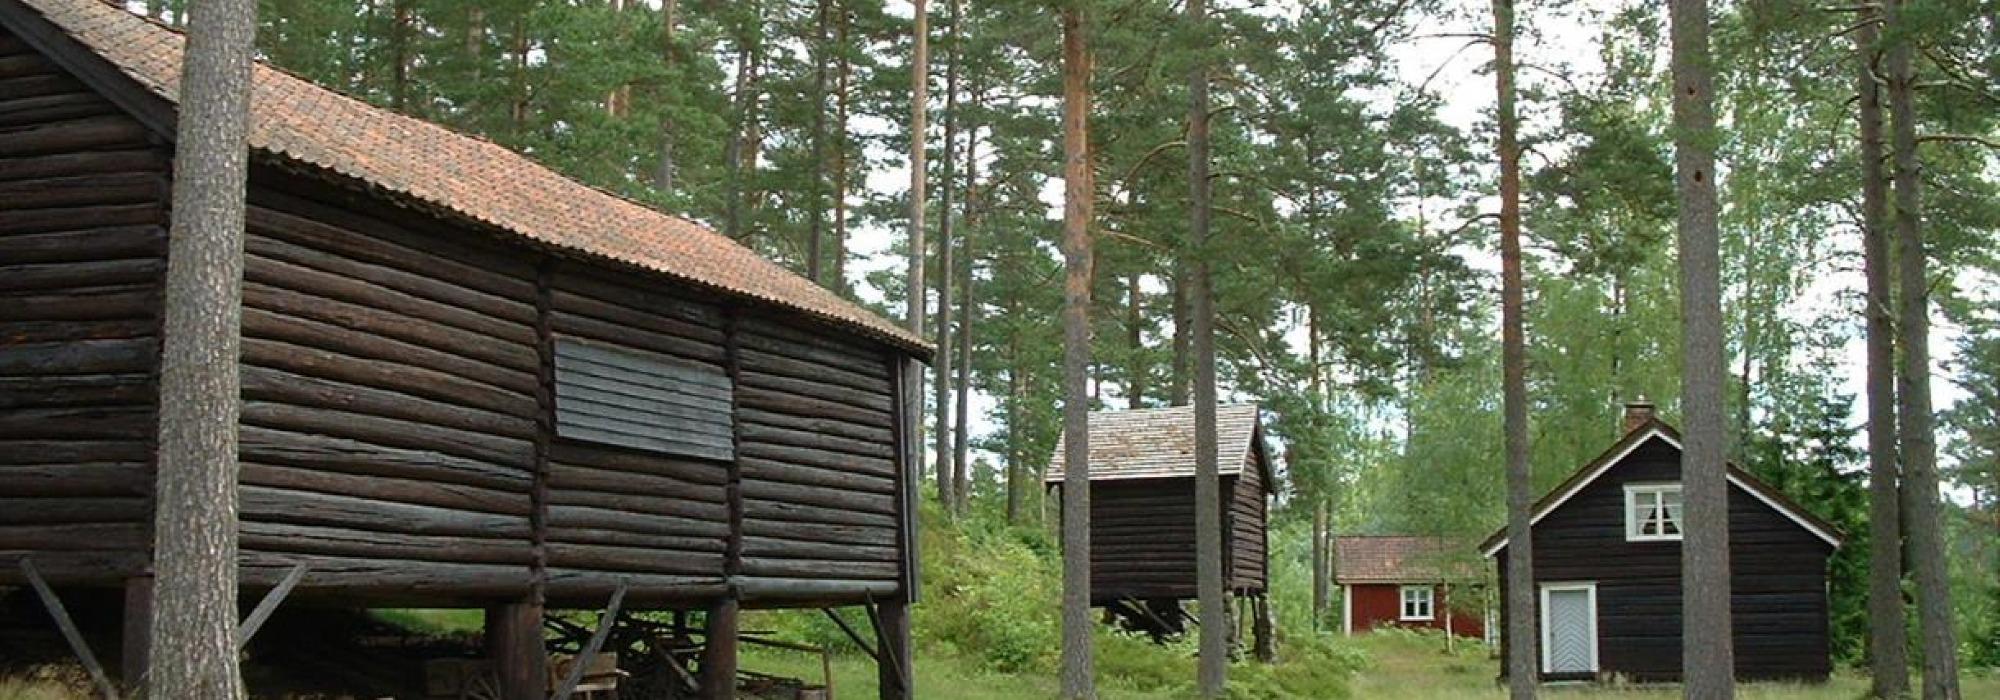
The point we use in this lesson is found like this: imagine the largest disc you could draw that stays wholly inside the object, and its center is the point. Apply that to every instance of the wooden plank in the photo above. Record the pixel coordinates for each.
(15, 221)
(94, 189)
(652, 369)
(262, 503)
(96, 273)
(279, 446)
(385, 488)
(70, 634)
(589, 429)
(579, 326)
(268, 605)
(649, 417)
(569, 517)
(63, 480)
(388, 546)
(765, 470)
(138, 160)
(601, 457)
(43, 510)
(15, 113)
(582, 663)
(340, 259)
(110, 356)
(349, 232)
(388, 432)
(361, 305)
(98, 303)
(267, 384)
(594, 386)
(89, 133)
(84, 244)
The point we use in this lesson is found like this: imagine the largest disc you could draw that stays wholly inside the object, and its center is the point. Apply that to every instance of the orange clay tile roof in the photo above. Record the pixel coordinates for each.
(1392, 559)
(1159, 442)
(465, 176)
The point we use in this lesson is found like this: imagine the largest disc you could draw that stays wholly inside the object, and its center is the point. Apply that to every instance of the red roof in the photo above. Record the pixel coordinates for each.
(1391, 559)
(461, 175)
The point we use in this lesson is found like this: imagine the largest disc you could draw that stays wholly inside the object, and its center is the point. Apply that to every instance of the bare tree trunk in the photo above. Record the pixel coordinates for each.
(1135, 343)
(194, 621)
(842, 83)
(1320, 594)
(518, 112)
(1213, 670)
(961, 445)
(1522, 671)
(1177, 390)
(1017, 396)
(399, 53)
(1918, 423)
(815, 219)
(663, 173)
(946, 470)
(1322, 555)
(920, 100)
(1078, 652)
(741, 153)
(1707, 653)
(1888, 653)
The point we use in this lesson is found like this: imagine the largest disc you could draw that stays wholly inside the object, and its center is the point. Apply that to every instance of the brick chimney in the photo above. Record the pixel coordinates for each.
(1637, 413)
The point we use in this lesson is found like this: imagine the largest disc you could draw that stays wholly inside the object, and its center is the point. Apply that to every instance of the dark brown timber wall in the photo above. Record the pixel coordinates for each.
(82, 254)
(1247, 534)
(389, 384)
(1777, 578)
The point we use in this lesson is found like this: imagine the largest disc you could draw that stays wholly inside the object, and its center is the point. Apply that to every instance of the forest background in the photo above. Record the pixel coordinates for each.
(1356, 290)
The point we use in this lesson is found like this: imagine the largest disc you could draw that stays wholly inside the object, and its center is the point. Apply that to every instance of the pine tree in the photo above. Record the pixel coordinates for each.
(194, 611)
(1078, 653)
(1522, 670)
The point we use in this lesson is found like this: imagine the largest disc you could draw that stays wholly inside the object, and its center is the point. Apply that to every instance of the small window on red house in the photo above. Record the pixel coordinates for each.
(1416, 604)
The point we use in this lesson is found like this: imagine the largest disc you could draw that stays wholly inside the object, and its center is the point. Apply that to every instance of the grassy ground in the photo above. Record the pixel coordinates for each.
(936, 678)
(1412, 667)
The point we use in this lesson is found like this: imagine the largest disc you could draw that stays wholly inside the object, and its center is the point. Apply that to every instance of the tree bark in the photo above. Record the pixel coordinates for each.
(663, 172)
(842, 82)
(1320, 593)
(740, 155)
(1213, 670)
(1888, 653)
(920, 96)
(1078, 652)
(1522, 669)
(1135, 343)
(961, 444)
(1177, 389)
(399, 54)
(946, 470)
(194, 620)
(1917, 422)
(817, 214)
(1707, 656)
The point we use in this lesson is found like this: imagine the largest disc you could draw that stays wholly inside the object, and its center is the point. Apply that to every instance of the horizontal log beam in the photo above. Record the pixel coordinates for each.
(82, 220)
(15, 113)
(273, 505)
(389, 432)
(351, 456)
(381, 488)
(59, 511)
(285, 287)
(89, 133)
(766, 470)
(422, 414)
(367, 544)
(125, 355)
(58, 480)
(151, 161)
(383, 374)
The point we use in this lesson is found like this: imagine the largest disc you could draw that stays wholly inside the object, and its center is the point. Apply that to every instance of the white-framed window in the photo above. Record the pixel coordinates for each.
(1417, 602)
(1652, 512)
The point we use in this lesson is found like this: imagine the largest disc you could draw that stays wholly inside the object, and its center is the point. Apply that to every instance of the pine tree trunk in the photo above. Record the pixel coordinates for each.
(1888, 653)
(399, 54)
(961, 435)
(1321, 585)
(946, 469)
(817, 215)
(663, 172)
(1177, 390)
(1707, 654)
(194, 622)
(1135, 343)
(1213, 669)
(920, 96)
(614, 101)
(1016, 399)
(1918, 423)
(1078, 651)
(518, 111)
(1522, 669)
(842, 83)
(740, 155)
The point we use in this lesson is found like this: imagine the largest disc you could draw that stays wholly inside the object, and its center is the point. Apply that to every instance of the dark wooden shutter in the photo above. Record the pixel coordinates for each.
(641, 400)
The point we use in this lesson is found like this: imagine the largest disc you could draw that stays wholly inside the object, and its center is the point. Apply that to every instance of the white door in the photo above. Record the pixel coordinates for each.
(1569, 628)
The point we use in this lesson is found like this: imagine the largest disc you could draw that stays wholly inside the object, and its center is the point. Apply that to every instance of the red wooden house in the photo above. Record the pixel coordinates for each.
(1399, 581)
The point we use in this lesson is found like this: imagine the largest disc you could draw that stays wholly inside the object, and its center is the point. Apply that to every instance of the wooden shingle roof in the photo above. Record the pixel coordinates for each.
(1159, 442)
(458, 175)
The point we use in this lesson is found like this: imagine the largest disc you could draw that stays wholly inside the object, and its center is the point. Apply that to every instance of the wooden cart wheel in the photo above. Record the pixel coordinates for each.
(481, 686)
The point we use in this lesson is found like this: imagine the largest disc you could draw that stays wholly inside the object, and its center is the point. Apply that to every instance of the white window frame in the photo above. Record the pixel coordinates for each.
(1633, 494)
(1587, 586)
(1403, 604)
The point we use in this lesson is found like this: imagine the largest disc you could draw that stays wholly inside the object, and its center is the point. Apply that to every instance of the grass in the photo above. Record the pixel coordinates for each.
(1416, 667)
(937, 677)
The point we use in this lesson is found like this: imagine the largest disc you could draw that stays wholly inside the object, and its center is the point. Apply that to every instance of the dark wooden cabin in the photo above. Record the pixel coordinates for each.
(467, 380)
(1608, 568)
(1142, 524)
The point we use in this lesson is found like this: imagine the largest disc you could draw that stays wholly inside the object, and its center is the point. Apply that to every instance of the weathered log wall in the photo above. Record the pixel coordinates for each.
(389, 388)
(83, 194)
(815, 419)
(1248, 532)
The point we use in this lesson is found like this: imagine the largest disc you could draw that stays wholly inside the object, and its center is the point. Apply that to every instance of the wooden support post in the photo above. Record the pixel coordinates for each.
(897, 677)
(718, 657)
(1266, 646)
(138, 633)
(589, 651)
(514, 642)
(70, 634)
(267, 606)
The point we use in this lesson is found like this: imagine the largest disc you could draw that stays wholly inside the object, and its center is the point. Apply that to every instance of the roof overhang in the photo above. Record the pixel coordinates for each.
(1657, 431)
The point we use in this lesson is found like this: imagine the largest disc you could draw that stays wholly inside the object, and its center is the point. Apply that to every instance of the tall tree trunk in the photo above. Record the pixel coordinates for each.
(1707, 649)
(1213, 669)
(615, 100)
(842, 83)
(740, 155)
(948, 488)
(1888, 653)
(1078, 651)
(1321, 556)
(1918, 423)
(1017, 397)
(817, 215)
(1522, 669)
(399, 54)
(1177, 389)
(518, 112)
(1135, 343)
(961, 445)
(920, 100)
(475, 44)
(663, 172)
(194, 621)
